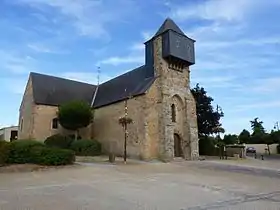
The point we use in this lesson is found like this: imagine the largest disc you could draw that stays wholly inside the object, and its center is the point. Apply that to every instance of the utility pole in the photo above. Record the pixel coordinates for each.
(124, 121)
(125, 128)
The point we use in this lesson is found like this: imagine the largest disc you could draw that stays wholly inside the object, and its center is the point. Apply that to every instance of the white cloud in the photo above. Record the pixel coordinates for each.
(147, 35)
(14, 85)
(217, 10)
(99, 52)
(215, 44)
(123, 60)
(40, 17)
(89, 17)
(266, 85)
(138, 46)
(137, 53)
(41, 48)
(215, 81)
(260, 105)
(16, 63)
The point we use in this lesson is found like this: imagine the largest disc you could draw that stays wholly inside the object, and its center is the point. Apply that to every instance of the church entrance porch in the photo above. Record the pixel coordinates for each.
(178, 152)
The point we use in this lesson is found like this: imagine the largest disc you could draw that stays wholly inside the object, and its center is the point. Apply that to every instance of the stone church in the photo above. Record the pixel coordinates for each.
(158, 97)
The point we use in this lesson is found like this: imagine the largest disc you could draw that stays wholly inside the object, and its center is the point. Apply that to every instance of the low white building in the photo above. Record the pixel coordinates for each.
(262, 148)
(9, 133)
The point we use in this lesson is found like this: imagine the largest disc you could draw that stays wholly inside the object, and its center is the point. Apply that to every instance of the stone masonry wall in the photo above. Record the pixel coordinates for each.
(192, 125)
(171, 83)
(151, 113)
(107, 130)
(25, 123)
(43, 116)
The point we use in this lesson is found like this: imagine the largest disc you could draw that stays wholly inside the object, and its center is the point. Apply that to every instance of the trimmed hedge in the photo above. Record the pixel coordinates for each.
(20, 151)
(52, 156)
(59, 141)
(29, 151)
(86, 147)
(4, 152)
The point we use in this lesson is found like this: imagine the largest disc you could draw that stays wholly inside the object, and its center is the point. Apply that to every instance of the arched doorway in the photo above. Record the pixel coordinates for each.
(178, 152)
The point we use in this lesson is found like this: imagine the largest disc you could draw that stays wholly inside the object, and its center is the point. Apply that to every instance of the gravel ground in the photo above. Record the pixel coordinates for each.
(137, 186)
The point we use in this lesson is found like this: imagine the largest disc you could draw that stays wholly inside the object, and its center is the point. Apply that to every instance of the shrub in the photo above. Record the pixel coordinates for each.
(20, 151)
(75, 115)
(86, 147)
(72, 136)
(207, 147)
(4, 152)
(278, 148)
(59, 141)
(52, 156)
(29, 151)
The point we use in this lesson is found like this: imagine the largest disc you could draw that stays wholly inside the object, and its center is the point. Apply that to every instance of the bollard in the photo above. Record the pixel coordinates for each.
(112, 157)
(255, 155)
(262, 157)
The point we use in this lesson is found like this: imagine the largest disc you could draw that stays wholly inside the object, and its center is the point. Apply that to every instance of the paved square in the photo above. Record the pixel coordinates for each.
(161, 186)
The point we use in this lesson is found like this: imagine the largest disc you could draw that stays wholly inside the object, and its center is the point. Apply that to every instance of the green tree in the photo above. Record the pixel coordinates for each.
(275, 136)
(259, 134)
(257, 127)
(207, 146)
(75, 115)
(208, 119)
(230, 139)
(244, 137)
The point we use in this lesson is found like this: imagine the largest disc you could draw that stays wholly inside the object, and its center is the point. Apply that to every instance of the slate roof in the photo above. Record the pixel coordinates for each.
(135, 83)
(50, 90)
(169, 24)
(54, 91)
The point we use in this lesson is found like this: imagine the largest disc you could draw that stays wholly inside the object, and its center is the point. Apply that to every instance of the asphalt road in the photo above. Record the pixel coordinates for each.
(265, 156)
(255, 170)
(179, 185)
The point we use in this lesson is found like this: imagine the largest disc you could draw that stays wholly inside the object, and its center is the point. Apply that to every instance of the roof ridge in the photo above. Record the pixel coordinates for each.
(61, 78)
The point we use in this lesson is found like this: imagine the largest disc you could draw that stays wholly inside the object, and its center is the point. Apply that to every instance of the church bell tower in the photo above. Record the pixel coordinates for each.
(169, 55)
(177, 48)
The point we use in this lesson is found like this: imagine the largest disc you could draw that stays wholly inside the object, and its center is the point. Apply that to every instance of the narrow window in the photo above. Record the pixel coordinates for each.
(173, 113)
(55, 123)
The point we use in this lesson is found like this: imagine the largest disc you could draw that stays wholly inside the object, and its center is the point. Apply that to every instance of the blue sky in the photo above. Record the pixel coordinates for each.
(237, 48)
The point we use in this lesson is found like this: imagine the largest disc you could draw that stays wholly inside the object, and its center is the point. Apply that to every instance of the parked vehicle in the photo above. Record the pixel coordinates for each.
(250, 150)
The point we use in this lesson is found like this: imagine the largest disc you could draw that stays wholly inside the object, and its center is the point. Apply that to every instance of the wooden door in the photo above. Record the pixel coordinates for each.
(177, 146)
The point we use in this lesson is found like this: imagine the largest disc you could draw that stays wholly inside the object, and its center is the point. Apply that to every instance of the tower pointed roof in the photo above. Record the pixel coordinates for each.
(169, 24)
